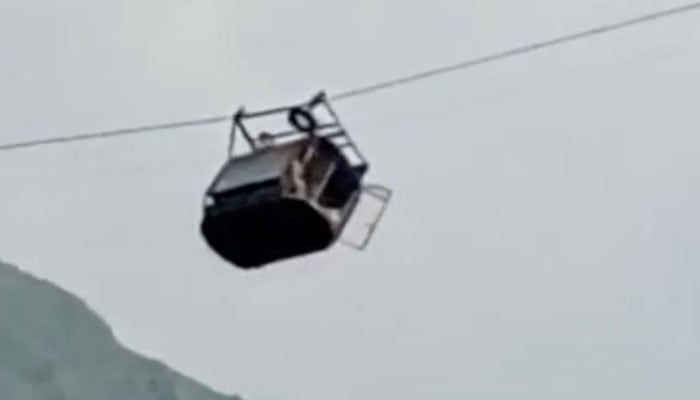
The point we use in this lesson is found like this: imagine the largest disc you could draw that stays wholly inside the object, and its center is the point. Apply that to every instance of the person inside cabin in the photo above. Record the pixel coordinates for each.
(296, 169)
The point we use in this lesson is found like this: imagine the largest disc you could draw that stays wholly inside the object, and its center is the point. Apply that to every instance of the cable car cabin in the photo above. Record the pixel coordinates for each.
(290, 194)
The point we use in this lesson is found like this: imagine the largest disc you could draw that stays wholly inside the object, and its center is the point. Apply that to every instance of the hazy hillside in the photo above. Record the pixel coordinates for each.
(53, 347)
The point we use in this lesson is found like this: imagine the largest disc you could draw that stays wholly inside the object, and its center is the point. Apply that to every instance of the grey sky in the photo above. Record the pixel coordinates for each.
(543, 242)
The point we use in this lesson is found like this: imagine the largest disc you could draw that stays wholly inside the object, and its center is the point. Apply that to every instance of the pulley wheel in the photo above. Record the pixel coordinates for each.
(302, 120)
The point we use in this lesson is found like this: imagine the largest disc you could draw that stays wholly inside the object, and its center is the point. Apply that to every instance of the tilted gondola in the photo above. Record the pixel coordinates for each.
(291, 192)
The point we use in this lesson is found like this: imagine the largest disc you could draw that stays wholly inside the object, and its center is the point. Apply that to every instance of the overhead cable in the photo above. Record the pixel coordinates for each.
(516, 51)
(384, 85)
(117, 132)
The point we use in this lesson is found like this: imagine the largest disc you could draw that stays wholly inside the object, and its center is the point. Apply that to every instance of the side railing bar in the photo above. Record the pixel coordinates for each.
(384, 195)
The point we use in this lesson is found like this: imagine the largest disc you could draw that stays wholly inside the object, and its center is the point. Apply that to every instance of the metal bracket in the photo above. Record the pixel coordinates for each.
(333, 130)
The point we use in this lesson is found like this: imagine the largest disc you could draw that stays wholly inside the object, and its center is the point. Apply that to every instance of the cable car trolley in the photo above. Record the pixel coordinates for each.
(293, 189)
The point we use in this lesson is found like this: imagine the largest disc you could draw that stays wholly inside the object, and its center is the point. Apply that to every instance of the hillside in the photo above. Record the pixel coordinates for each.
(53, 347)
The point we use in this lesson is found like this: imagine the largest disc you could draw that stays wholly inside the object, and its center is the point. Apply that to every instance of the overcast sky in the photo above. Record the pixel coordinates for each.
(543, 241)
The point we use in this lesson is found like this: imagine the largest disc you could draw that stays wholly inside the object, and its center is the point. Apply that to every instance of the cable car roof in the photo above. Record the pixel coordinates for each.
(264, 164)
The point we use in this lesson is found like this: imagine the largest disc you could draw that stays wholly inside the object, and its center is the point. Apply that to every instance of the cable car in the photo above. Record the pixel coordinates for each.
(291, 191)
